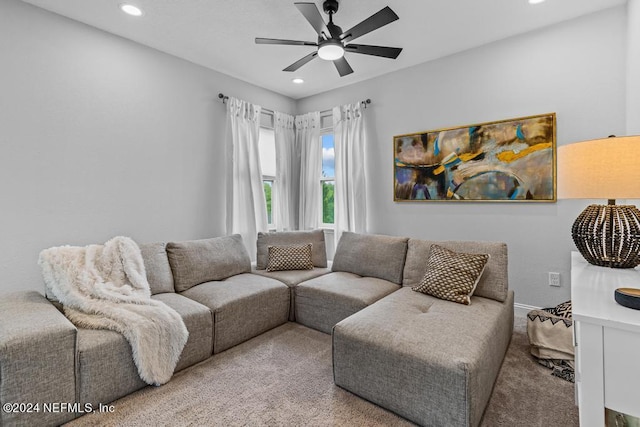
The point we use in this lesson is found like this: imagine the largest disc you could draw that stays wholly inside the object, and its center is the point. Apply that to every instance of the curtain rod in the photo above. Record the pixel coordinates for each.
(224, 98)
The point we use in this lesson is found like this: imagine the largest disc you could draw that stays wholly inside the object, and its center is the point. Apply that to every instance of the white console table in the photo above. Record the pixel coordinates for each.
(607, 342)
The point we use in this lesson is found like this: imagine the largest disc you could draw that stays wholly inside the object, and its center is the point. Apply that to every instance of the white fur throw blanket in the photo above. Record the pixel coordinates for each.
(106, 287)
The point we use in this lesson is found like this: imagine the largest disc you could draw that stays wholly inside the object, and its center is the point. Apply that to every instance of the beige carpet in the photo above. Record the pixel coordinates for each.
(284, 377)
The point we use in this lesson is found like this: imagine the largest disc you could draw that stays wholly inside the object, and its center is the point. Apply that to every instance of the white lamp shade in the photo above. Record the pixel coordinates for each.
(607, 168)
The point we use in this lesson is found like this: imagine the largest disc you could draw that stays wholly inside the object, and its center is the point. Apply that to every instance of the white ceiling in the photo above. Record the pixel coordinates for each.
(219, 34)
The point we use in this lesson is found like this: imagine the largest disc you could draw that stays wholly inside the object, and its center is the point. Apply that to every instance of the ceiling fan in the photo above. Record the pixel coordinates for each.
(333, 42)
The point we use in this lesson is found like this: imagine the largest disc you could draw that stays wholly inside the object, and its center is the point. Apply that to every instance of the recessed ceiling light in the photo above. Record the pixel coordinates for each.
(298, 81)
(535, 1)
(130, 9)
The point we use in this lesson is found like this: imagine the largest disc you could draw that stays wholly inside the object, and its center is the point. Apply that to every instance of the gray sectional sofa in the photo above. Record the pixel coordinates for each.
(431, 361)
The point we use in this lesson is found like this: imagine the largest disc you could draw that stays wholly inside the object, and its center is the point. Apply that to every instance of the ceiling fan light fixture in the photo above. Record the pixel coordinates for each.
(330, 50)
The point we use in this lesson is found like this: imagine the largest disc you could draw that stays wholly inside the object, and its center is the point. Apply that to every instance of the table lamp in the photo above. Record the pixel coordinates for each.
(609, 168)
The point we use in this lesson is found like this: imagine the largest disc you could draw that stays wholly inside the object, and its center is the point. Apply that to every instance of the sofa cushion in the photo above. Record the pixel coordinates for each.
(494, 282)
(322, 302)
(199, 322)
(243, 307)
(156, 264)
(198, 261)
(105, 366)
(37, 358)
(430, 361)
(315, 237)
(452, 276)
(292, 278)
(371, 255)
(293, 257)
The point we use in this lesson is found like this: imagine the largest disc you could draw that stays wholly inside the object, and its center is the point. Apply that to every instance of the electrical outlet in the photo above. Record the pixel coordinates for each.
(554, 279)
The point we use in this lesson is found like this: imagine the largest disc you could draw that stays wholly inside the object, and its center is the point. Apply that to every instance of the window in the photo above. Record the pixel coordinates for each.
(267, 145)
(328, 179)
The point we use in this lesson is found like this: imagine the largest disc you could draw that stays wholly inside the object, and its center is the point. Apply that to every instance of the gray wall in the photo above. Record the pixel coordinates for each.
(576, 69)
(100, 136)
(633, 67)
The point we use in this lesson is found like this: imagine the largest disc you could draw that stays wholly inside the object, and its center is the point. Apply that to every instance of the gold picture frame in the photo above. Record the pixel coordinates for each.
(511, 160)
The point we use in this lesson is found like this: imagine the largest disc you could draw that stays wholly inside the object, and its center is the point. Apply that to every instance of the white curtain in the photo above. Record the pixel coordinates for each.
(308, 139)
(350, 190)
(246, 209)
(287, 185)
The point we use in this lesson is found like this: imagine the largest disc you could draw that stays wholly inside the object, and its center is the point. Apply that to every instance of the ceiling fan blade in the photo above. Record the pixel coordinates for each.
(365, 49)
(300, 62)
(343, 66)
(260, 40)
(312, 14)
(375, 21)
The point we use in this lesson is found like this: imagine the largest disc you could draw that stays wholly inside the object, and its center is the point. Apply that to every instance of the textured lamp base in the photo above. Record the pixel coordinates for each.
(609, 235)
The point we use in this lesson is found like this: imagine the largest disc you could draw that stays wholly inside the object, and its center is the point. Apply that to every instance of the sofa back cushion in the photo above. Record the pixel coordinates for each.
(157, 267)
(198, 261)
(493, 284)
(289, 238)
(371, 255)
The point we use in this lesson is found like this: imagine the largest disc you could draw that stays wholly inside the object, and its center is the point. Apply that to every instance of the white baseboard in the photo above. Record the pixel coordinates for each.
(521, 310)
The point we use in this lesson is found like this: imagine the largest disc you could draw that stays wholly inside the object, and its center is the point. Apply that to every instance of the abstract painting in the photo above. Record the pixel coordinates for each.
(506, 160)
(618, 419)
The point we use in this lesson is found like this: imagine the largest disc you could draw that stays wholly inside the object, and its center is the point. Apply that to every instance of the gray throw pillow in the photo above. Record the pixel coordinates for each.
(198, 261)
(452, 276)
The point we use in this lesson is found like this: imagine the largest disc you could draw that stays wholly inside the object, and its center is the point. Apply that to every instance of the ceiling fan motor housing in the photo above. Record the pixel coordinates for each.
(330, 6)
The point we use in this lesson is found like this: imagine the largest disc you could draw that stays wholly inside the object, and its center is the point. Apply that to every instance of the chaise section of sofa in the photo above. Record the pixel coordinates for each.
(366, 267)
(292, 278)
(431, 361)
(37, 360)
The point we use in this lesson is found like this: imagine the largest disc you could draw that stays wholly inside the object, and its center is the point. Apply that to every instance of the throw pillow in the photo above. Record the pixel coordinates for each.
(451, 275)
(295, 257)
(289, 238)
